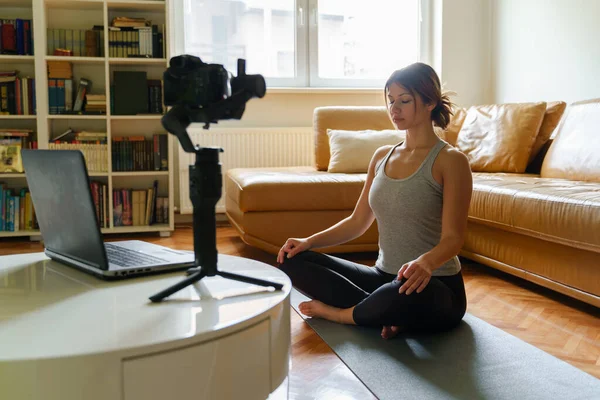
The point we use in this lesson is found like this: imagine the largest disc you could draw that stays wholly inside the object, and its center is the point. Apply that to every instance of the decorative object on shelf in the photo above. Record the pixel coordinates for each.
(10, 157)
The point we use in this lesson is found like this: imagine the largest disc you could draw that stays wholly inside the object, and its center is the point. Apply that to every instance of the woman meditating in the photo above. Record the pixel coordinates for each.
(419, 191)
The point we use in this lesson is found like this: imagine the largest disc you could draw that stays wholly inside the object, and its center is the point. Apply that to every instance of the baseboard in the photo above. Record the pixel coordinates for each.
(189, 218)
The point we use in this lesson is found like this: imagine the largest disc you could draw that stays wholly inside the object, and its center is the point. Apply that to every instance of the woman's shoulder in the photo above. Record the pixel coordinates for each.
(383, 151)
(379, 156)
(453, 155)
(450, 158)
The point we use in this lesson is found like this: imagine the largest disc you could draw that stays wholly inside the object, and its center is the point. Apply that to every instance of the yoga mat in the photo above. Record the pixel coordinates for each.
(474, 361)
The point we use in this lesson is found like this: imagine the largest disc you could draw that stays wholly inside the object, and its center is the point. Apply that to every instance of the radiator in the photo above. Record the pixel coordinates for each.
(244, 148)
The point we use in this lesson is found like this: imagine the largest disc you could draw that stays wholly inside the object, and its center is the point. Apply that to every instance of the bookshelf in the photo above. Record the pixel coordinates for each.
(76, 15)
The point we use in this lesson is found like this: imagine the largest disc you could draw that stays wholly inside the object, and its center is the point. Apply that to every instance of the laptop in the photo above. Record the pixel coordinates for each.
(60, 190)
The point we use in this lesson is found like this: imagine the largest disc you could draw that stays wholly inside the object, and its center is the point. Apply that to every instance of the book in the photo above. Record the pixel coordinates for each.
(84, 86)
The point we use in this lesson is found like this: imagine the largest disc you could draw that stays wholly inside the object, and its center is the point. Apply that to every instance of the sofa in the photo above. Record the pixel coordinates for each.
(535, 209)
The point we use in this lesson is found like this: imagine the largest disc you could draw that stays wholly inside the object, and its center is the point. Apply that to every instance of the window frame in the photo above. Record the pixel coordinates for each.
(306, 52)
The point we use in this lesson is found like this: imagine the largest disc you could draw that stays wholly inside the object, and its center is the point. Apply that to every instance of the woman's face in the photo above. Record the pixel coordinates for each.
(405, 109)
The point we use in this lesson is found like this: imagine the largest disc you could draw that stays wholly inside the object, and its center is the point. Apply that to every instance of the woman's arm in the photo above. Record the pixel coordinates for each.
(361, 218)
(347, 229)
(458, 187)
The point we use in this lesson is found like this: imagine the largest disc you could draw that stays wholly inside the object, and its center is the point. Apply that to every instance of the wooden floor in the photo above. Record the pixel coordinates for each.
(565, 328)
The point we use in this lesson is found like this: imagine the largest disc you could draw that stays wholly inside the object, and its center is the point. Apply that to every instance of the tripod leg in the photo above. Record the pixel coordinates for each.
(247, 279)
(178, 286)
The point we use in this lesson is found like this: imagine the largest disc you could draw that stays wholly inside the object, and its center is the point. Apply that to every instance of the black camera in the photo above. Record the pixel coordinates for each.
(200, 92)
(191, 82)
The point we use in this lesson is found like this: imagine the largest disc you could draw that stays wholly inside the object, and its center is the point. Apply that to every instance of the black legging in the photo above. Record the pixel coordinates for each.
(344, 284)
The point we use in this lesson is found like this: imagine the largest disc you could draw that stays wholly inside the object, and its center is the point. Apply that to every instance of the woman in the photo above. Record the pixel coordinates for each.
(419, 191)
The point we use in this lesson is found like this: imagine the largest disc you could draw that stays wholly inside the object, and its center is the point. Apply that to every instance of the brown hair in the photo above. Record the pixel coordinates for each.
(421, 79)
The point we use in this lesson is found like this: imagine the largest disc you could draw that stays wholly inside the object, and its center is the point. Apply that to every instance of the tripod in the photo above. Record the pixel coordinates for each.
(205, 191)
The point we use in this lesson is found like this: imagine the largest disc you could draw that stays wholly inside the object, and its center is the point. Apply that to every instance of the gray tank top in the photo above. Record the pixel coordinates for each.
(409, 215)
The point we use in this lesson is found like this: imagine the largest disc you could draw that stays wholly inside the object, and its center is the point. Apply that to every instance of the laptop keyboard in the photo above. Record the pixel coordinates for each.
(129, 258)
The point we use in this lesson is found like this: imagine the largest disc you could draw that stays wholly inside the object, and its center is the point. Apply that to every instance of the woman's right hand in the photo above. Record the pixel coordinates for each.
(292, 247)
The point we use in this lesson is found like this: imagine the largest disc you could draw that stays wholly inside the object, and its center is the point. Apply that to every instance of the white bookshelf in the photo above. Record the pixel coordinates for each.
(78, 60)
(18, 117)
(83, 14)
(16, 59)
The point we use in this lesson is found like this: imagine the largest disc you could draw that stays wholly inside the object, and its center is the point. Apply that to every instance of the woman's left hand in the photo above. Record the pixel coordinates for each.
(417, 274)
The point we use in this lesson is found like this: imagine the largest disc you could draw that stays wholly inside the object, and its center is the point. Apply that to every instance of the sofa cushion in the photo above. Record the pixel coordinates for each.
(558, 210)
(292, 189)
(574, 152)
(500, 137)
(552, 116)
(450, 134)
(351, 118)
(351, 151)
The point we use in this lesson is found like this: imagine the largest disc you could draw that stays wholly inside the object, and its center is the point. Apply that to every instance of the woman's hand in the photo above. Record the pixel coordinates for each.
(292, 247)
(417, 274)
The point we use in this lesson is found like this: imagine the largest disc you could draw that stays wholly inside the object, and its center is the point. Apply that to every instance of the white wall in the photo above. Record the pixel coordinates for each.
(296, 109)
(546, 50)
(465, 51)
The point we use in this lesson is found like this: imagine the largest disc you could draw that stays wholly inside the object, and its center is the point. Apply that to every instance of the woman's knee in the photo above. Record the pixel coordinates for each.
(290, 265)
(299, 258)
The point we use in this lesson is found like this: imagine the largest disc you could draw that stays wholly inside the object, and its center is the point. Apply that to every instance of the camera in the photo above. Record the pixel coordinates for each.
(191, 82)
(200, 92)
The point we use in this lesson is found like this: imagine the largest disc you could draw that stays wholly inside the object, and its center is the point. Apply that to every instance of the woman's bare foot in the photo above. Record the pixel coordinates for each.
(389, 332)
(315, 308)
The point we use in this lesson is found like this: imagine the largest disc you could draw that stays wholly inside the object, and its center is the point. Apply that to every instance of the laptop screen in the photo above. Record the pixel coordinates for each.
(64, 208)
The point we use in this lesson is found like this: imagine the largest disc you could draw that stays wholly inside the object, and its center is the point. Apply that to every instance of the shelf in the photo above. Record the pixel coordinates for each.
(76, 4)
(18, 116)
(138, 61)
(15, 59)
(65, 116)
(136, 117)
(16, 3)
(141, 173)
(19, 233)
(139, 228)
(136, 5)
(78, 60)
(80, 15)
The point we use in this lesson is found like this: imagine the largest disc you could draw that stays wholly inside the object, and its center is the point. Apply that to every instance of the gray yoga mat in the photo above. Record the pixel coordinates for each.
(474, 361)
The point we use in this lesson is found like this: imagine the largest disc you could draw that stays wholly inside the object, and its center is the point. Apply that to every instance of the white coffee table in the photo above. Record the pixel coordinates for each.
(68, 335)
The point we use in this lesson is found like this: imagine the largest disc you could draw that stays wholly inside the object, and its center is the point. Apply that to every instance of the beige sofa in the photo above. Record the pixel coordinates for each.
(542, 225)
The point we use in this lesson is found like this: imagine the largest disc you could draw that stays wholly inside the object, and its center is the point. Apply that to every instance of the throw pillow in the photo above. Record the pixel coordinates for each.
(450, 134)
(351, 151)
(552, 116)
(500, 137)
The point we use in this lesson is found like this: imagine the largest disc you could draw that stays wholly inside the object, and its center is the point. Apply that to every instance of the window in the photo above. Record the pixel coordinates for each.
(315, 43)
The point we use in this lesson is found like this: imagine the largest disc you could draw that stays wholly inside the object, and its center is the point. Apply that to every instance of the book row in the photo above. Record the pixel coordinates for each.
(17, 95)
(16, 36)
(16, 210)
